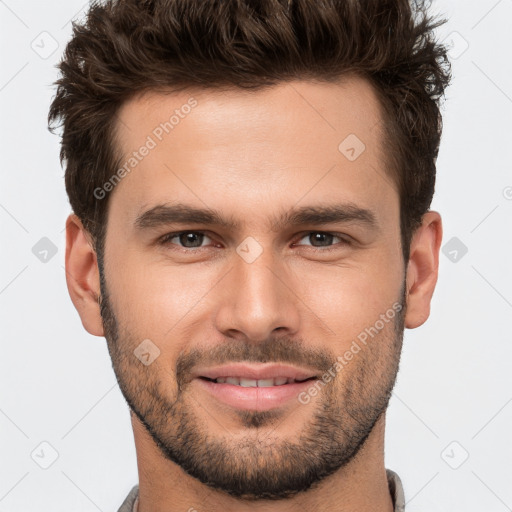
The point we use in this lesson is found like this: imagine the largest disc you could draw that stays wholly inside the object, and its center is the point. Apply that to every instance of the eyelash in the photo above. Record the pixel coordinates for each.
(165, 240)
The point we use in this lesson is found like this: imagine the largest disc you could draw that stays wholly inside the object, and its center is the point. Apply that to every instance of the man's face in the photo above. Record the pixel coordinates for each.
(318, 298)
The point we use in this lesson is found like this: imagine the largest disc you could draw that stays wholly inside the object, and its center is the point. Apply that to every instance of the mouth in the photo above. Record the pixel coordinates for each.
(254, 387)
(256, 383)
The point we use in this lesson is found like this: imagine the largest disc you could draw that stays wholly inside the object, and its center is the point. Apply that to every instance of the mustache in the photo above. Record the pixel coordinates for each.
(273, 350)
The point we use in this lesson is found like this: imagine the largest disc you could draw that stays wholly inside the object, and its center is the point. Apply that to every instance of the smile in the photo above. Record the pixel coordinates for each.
(253, 383)
(257, 387)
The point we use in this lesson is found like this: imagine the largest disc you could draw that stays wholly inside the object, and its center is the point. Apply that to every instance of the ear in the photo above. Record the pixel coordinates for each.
(82, 275)
(422, 269)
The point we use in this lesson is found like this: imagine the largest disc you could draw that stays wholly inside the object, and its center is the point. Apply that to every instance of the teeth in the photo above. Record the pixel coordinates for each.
(265, 383)
(248, 383)
(252, 383)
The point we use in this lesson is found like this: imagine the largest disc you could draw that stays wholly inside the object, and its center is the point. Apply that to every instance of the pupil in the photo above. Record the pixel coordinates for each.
(189, 237)
(316, 235)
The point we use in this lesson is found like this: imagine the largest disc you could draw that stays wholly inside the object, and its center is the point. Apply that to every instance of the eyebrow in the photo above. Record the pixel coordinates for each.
(164, 214)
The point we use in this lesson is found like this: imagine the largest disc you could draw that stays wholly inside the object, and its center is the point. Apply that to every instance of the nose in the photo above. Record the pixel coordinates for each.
(257, 299)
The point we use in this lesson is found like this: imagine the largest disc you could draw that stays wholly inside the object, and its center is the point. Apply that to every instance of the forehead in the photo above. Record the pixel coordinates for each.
(241, 150)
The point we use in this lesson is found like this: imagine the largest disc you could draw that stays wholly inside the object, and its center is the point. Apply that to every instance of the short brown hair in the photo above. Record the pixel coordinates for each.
(125, 47)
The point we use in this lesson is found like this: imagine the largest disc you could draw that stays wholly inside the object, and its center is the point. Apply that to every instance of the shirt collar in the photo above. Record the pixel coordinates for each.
(396, 490)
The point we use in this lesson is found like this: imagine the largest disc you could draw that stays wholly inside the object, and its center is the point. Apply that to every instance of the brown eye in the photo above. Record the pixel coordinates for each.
(320, 239)
(185, 239)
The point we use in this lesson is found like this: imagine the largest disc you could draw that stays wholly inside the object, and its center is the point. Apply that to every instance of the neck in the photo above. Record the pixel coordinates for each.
(359, 486)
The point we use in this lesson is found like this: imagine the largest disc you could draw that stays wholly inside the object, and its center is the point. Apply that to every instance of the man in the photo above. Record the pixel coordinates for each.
(250, 184)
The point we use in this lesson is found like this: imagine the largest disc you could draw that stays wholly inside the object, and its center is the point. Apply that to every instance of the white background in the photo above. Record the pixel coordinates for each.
(453, 397)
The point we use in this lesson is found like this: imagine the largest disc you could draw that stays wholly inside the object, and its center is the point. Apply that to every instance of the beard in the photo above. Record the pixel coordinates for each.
(258, 464)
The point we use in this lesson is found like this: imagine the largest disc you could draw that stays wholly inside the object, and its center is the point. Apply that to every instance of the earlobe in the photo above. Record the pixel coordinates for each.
(422, 269)
(82, 275)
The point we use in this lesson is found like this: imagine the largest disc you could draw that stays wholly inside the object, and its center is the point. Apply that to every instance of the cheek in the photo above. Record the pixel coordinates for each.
(349, 299)
(157, 299)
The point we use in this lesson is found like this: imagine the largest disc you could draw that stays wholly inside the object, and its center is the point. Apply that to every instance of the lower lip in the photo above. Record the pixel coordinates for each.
(254, 398)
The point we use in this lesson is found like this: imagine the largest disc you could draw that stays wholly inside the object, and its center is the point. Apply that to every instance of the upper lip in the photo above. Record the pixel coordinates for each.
(255, 371)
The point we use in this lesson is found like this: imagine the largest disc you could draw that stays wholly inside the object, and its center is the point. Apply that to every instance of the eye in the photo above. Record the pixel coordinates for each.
(319, 240)
(324, 239)
(187, 239)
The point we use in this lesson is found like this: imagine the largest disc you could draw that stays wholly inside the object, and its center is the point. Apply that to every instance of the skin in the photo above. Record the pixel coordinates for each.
(252, 156)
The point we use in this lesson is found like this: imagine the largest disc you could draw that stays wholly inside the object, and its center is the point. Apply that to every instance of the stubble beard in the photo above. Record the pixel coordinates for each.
(259, 464)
